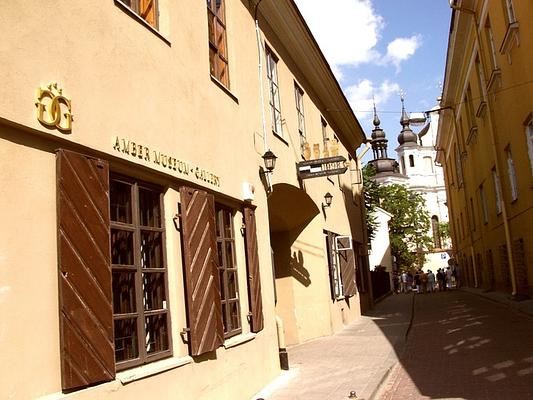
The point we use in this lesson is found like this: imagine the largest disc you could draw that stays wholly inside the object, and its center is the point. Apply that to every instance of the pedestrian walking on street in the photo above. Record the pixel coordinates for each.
(440, 280)
(449, 278)
(403, 282)
(431, 281)
(410, 279)
(423, 281)
(417, 281)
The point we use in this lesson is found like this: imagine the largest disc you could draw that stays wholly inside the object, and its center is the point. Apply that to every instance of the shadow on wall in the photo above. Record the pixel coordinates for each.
(298, 271)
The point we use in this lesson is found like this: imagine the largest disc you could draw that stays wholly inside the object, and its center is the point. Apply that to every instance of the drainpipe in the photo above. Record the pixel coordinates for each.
(283, 355)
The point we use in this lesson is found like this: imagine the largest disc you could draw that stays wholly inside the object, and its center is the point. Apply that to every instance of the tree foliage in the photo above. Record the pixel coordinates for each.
(410, 221)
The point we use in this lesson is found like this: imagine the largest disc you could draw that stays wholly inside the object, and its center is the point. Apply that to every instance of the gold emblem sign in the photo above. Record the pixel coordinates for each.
(53, 109)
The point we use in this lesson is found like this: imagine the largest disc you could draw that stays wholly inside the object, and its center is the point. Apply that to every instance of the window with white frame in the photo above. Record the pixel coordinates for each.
(497, 191)
(512, 174)
(489, 36)
(273, 85)
(458, 166)
(299, 98)
(483, 204)
(529, 138)
(509, 11)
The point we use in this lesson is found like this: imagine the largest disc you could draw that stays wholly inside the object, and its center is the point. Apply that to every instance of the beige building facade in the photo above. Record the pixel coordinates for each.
(485, 143)
(147, 249)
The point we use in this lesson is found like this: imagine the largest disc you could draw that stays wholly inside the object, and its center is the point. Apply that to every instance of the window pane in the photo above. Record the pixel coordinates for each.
(221, 39)
(120, 202)
(212, 61)
(220, 253)
(126, 339)
(228, 232)
(123, 292)
(225, 317)
(229, 255)
(234, 315)
(211, 27)
(154, 297)
(221, 275)
(222, 71)
(156, 333)
(149, 208)
(151, 250)
(232, 284)
(121, 247)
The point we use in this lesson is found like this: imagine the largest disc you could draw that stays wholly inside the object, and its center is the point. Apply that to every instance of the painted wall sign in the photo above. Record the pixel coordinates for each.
(173, 164)
(322, 167)
(54, 110)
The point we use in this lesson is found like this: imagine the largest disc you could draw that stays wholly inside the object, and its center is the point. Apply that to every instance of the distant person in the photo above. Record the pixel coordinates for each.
(423, 281)
(403, 282)
(417, 281)
(449, 278)
(431, 281)
(440, 280)
(410, 280)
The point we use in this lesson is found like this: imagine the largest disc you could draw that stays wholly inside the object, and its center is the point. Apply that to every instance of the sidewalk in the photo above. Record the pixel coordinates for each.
(358, 358)
(525, 306)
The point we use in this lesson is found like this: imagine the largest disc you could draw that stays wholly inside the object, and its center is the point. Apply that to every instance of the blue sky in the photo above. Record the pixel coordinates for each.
(379, 47)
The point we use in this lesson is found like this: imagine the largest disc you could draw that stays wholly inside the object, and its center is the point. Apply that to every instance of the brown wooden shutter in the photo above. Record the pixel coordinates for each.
(330, 253)
(347, 267)
(147, 11)
(201, 272)
(85, 296)
(254, 278)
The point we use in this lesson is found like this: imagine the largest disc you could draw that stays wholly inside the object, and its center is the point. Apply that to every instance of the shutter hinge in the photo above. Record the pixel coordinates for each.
(185, 335)
(176, 219)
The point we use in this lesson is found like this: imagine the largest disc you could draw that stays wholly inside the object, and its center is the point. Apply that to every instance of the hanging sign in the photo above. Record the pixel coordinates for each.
(322, 167)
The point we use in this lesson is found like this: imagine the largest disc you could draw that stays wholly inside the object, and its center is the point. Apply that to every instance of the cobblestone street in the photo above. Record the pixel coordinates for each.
(463, 346)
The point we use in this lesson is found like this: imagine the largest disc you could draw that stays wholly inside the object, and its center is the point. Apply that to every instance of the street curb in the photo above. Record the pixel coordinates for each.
(387, 373)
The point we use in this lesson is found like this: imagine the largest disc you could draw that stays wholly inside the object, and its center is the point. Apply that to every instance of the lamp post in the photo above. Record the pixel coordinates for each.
(269, 160)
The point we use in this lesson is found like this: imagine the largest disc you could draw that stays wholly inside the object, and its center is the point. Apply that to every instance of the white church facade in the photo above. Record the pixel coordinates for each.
(417, 170)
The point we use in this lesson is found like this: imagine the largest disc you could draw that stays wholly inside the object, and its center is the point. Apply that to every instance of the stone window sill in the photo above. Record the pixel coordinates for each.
(240, 339)
(154, 368)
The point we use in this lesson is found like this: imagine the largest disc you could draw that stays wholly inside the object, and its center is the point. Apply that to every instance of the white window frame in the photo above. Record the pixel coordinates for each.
(299, 99)
(511, 16)
(484, 204)
(511, 171)
(273, 86)
(529, 139)
(497, 191)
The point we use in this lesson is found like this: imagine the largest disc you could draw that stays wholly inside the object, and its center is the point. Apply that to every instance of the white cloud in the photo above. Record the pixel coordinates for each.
(401, 49)
(346, 30)
(360, 96)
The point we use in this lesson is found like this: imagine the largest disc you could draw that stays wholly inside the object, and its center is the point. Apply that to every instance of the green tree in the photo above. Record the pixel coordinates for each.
(410, 221)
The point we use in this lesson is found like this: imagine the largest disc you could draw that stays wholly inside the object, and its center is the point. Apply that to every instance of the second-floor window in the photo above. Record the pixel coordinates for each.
(218, 49)
(512, 174)
(497, 191)
(299, 98)
(483, 199)
(509, 11)
(273, 83)
(529, 138)
(492, 47)
(146, 9)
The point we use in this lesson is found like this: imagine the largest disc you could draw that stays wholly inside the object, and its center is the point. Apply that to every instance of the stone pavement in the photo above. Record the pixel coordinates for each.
(356, 359)
(465, 344)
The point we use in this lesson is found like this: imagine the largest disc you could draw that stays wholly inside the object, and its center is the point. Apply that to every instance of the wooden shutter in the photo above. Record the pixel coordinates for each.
(85, 296)
(331, 263)
(201, 272)
(148, 11)
(254, 278)
(347, 267)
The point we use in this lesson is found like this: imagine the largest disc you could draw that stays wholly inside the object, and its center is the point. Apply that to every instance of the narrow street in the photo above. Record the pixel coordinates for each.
(463, 346)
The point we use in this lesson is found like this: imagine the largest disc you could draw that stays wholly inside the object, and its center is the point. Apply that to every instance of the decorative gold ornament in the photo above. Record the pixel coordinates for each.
(53, 109)
(316, 151)
(306, 151)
